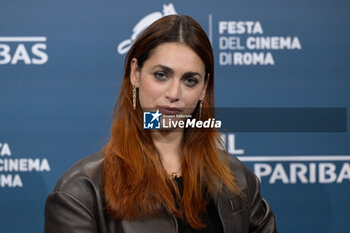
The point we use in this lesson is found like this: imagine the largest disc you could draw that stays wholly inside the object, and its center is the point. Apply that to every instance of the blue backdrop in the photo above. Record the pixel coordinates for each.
(60, 73)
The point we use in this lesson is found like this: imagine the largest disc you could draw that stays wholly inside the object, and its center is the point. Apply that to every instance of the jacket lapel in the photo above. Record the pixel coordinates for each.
(234, 213)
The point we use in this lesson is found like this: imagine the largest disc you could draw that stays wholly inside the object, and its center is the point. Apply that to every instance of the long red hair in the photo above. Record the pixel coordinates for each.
(135, 182)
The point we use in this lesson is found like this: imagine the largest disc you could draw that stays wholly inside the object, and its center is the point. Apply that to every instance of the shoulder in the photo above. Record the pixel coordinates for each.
(83, 181)
(77, 196)
(87, 169)
(244, 177)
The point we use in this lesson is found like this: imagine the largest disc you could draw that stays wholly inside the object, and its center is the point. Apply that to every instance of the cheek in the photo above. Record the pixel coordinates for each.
(148, 93)
(191, 99)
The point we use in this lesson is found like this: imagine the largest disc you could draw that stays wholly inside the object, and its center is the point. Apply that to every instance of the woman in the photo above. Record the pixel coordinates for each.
(173, 180)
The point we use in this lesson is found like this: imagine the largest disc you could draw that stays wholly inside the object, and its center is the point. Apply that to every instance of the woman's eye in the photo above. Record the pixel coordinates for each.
(191, 82)
(160, 75)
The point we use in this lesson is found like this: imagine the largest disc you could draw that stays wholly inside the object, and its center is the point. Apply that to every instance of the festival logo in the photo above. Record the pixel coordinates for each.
(125, 45)
(246, 43)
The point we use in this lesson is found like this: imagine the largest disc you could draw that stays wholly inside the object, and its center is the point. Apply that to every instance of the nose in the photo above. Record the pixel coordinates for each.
(173, 91)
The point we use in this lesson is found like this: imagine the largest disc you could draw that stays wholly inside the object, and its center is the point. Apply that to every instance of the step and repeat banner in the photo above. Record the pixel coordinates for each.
(282, 72)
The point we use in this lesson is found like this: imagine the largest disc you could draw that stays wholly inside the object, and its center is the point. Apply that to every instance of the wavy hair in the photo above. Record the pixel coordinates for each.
(135, 183)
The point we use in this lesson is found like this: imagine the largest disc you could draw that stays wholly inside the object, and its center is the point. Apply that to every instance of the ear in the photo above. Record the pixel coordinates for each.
(134, 73)
(202, 96)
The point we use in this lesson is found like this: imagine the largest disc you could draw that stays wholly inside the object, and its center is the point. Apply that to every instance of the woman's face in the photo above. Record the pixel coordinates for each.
(172, 79)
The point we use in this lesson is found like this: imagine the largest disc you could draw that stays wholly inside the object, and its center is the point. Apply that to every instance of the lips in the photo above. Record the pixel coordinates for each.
(169, 110)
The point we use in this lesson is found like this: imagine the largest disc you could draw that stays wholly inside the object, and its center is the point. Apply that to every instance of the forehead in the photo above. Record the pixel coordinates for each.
(177, 56)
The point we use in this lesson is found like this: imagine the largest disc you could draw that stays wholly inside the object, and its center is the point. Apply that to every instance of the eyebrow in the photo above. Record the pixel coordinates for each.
(171, 71)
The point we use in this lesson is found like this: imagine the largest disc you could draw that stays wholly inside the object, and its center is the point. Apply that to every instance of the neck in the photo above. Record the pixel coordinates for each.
(169, 145)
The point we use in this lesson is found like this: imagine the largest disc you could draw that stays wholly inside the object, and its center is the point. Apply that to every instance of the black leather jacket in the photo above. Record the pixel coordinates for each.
(76, 205)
